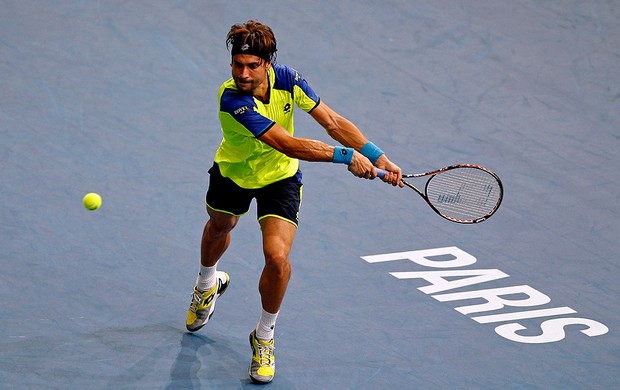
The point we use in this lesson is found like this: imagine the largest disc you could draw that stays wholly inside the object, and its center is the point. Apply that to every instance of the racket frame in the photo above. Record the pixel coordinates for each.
(448, 168)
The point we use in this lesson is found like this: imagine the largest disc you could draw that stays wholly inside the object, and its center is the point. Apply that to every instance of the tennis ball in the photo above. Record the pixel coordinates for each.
(92, 201)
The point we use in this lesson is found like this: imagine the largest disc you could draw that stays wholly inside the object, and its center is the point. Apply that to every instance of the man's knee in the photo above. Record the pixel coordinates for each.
(279, 263)
(220, 225)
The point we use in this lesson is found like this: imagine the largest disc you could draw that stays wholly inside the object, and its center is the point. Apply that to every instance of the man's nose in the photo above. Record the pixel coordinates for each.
(245, 72)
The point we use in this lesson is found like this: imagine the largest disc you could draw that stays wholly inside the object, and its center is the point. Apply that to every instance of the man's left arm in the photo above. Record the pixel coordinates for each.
(344, 131)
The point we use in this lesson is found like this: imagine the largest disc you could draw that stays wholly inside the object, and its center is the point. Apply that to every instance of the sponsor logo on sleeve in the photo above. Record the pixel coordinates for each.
(241, 110)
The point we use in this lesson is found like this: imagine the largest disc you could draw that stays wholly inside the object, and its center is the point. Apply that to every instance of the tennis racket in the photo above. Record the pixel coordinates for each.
(462, 193)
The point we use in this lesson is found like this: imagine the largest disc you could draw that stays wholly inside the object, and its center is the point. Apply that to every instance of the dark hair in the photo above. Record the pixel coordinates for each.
(254, 38)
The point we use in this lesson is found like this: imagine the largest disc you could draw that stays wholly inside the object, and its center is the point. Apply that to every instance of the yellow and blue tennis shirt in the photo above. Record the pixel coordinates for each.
(251, 163)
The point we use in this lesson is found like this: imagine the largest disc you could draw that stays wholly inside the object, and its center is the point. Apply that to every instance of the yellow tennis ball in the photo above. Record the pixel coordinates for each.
(92, 201)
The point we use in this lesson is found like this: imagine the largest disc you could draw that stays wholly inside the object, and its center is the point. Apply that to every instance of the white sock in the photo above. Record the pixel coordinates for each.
(206, 278)
(266, 325)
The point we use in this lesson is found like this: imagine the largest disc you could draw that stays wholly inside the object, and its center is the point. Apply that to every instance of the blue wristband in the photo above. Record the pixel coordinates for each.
(371, 151)
(343, 155)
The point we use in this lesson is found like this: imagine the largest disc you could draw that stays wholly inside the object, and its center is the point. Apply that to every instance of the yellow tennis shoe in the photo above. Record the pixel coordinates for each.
(263, 365)
(203, 303)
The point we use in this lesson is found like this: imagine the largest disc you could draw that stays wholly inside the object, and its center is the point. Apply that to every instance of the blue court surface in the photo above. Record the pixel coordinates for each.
(119, 98)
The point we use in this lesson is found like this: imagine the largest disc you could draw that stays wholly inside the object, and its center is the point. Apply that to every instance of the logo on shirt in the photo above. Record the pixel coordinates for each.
(241, 110)
(287, 108)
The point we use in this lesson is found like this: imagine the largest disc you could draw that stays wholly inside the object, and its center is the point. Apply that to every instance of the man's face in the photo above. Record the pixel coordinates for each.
(249, 71)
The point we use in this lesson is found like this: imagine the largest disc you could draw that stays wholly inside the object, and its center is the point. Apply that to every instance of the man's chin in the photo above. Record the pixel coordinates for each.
(244, 87)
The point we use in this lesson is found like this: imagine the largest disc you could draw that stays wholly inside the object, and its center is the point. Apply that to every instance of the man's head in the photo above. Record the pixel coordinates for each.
(253, 38)
(253, 48)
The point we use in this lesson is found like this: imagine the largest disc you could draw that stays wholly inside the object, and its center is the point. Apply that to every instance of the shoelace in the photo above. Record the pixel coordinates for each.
(265, 353)
(196, 299)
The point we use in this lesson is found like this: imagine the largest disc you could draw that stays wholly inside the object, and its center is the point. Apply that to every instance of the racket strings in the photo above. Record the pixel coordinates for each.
(464, 193)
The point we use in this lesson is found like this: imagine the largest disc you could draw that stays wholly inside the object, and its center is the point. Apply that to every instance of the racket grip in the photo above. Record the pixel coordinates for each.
(381, 173)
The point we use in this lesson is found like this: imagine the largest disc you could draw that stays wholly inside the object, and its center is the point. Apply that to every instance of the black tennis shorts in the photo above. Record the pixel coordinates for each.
(281, 199)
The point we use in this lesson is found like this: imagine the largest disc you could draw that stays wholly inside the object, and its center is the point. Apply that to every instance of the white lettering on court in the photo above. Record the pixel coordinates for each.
(503, 298)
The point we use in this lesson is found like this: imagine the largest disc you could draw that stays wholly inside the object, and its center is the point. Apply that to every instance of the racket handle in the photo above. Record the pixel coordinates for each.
(381, 173)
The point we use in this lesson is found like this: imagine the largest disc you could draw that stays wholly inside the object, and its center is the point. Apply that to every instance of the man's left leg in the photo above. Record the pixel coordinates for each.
(278, 235)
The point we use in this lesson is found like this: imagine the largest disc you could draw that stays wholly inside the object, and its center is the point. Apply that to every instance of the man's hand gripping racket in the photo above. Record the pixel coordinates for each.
(462, 193)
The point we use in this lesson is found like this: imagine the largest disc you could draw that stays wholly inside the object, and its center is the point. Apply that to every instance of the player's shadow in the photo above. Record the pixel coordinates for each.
(203, 362)
(184, 372)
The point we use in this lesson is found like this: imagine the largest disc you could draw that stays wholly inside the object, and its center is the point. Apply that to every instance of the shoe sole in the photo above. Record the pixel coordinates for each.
(260, 382)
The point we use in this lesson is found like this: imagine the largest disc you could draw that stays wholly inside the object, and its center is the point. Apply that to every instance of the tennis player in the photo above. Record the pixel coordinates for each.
(258, 158)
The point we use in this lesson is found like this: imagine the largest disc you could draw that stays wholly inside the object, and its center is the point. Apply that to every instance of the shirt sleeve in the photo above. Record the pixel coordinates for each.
(288, 79)
(242, 108)
(305, 97)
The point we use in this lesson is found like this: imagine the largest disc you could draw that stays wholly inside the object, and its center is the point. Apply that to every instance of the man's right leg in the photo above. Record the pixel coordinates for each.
(210, 283)
(216, 236)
